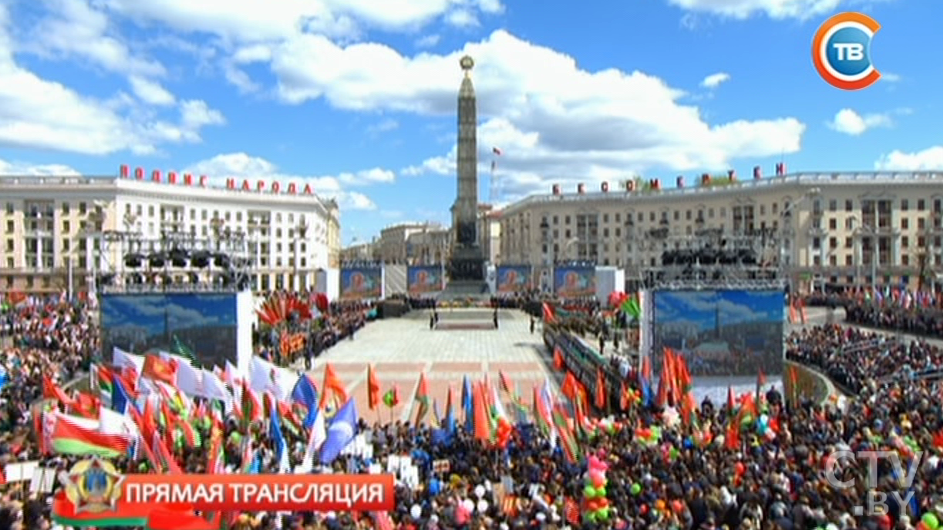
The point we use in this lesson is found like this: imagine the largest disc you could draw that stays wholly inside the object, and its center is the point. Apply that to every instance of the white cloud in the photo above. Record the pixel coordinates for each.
(554, 120)
(462, 18)
(428, 41)
(24, 169)
(715, 80)
(196, 114)
(242, 22)
(890, 77)
(926, 160)
(44, 114)
(776, 9)
(151, 92)
(847, 121)
(383, 126)
(73, 29)
(244, 166)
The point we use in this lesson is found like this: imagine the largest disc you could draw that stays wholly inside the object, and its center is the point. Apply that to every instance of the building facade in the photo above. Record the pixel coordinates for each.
(429, 247)
(489, 233)
(843, 228)
(360, 251)
(394, 240)
(68, 232)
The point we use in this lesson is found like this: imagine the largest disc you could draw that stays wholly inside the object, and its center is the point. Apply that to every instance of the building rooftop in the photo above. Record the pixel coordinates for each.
(296, 194)
(822, 178)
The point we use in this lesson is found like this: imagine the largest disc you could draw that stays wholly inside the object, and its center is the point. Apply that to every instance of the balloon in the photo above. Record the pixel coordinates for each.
(589, 492)
(644, 509)
(591, 516)
(931, 520)
(603, 514)
(597, 478)
(602, 502)
(415, 511)
(469, 505)
(592, 506)
(922, 526)
(479, 491)
(635, 489)
(660, 505)
(601, 492)
(740, 468)
(482, 506)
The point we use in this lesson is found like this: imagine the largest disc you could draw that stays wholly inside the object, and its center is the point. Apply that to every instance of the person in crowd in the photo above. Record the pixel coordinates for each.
(690, 478)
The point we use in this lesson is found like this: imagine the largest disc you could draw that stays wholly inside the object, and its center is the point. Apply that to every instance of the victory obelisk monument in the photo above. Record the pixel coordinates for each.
(467, 264)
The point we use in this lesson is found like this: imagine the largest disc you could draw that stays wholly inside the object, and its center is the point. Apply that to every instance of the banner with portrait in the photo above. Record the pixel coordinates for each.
(574, 282)
(514, 279)
(422, 279)
(362, 283)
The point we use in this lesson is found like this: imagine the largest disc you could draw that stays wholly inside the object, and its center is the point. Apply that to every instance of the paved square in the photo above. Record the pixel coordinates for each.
(401, 349)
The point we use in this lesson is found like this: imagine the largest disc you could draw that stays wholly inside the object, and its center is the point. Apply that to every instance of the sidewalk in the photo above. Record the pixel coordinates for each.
(401, 349)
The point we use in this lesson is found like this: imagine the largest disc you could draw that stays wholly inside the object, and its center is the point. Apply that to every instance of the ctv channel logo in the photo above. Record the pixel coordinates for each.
(841, 51)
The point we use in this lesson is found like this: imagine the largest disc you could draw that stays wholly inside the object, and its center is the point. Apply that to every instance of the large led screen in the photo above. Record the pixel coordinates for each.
(202, 325)
(724, 333)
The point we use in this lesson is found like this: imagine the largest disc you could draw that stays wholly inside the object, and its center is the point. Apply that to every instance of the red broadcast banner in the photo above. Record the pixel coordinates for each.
(100, 496)
(318, 493)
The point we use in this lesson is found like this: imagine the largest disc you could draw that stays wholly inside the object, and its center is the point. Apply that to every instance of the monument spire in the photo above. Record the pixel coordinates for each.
(467, 266)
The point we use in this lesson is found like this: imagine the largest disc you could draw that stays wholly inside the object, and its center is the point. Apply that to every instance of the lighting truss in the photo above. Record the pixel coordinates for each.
(176, 262)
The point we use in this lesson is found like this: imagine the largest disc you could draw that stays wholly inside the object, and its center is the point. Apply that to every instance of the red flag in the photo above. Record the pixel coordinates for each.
(373, 388)
(600, 390)
(558, 358)
(333, 385)
(938, 439)
(547, 310)
(573, 389)
(482, 420)
(571, 511)
(86, 405)
(732, 436)
(160, 370)
(422, 396)
(506, 384)
(52, 391)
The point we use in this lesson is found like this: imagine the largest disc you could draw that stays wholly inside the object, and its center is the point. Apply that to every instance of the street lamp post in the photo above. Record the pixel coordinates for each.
(784, 269)
(301, 279)
(860, 230)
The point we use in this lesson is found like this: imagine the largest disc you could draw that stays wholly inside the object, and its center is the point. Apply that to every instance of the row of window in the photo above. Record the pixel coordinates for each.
(867, 207)
(175, 214)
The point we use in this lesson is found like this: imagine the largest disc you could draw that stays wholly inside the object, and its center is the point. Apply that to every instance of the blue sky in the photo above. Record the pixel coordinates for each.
(182, 311)
(358, 96)
(700, 308)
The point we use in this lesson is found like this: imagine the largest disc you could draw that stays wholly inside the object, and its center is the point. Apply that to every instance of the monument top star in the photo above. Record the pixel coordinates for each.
(467, 63)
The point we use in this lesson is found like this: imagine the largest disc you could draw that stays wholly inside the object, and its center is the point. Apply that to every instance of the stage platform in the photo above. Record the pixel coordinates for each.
(461, 318)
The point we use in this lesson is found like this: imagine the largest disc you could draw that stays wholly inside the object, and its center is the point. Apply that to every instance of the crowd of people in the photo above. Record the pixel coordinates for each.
(39, 336)
(691, 475)
(907, 311)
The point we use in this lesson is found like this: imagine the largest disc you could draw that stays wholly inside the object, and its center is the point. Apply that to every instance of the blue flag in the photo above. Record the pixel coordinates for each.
(468, 406)
(275, 433)
(307, 394)
(342, 431)
(449, 423)
(119, 397)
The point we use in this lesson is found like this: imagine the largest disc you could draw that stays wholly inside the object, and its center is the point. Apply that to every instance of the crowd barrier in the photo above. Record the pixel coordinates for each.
(585, 362)
(810, 384)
